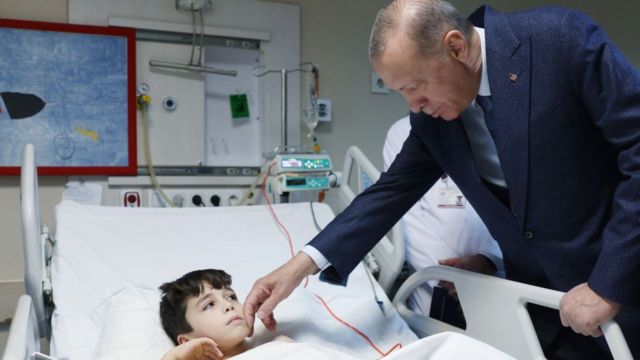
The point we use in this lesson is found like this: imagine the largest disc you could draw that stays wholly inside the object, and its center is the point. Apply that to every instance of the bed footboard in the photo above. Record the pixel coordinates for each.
(24, 338)
(495, 311)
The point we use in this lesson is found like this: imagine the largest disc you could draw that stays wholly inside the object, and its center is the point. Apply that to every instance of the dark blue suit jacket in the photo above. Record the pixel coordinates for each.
(567, 131)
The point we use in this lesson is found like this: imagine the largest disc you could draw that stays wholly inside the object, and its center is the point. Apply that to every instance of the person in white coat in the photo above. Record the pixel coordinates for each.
(442, 227)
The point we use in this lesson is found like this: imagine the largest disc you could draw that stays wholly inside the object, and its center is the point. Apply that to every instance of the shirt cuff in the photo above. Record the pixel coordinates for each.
(317, 257)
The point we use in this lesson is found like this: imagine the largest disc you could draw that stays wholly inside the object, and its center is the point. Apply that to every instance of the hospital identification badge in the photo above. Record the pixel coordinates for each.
(451, 198)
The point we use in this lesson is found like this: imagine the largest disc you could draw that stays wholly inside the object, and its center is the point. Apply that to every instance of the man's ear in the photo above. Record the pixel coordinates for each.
(183, 338)
(456, 45)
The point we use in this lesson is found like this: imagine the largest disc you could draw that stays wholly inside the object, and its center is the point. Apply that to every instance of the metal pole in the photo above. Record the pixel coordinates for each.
(284, 109)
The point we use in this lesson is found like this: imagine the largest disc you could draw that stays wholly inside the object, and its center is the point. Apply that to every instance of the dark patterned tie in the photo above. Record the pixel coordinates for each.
(483, 147)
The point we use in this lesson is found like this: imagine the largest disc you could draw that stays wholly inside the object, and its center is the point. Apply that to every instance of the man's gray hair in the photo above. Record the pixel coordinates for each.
(424, 22)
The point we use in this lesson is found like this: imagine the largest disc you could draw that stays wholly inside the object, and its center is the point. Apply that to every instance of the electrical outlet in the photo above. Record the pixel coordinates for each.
(205, 197)
(324, 110)
(377, 84)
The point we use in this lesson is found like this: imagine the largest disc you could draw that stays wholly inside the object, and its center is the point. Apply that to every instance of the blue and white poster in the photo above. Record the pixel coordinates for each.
(66, 93)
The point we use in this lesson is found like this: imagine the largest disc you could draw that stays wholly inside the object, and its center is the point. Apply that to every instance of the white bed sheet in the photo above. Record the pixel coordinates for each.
(101, 250)
(447, 345)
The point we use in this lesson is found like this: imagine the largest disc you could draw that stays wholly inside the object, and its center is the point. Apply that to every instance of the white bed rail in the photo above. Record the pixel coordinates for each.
(359, 173)
(24, 338)
(35, 275)
(495, 312)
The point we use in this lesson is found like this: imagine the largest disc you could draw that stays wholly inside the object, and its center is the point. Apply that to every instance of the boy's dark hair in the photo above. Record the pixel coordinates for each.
(175, 294)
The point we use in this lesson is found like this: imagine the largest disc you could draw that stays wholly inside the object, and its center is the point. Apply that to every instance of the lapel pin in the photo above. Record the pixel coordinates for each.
(513, 77)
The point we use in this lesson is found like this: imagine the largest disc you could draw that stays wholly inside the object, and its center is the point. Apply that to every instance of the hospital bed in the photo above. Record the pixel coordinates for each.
(101, 267)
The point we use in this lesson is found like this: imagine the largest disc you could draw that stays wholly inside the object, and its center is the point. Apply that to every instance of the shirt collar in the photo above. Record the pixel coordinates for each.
(484, 80)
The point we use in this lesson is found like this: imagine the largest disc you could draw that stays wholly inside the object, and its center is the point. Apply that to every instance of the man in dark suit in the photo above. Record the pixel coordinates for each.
(536, 116)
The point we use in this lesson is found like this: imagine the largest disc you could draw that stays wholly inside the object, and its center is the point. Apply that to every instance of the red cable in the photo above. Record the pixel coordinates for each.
(273, 213)
(275, 217)
(290, 240)
(396, 346)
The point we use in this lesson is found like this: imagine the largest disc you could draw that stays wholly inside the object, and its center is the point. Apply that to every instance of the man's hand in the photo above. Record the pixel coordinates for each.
(270, 290)
(584, 311)
(476, 263)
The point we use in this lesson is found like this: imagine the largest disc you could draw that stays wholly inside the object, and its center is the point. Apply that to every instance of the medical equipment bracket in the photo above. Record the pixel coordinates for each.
(195, 62)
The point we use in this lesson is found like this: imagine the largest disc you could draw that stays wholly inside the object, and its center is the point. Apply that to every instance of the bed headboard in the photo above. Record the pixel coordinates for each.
(32, 241)
(358, 174)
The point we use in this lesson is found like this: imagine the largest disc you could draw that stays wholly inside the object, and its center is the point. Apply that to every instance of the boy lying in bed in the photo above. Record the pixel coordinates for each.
(203, 317)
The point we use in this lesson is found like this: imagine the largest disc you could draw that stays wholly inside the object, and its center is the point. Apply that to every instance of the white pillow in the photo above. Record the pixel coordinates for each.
(129, 326)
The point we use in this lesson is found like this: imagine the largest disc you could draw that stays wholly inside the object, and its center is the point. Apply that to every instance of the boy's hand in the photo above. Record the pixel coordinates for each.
(196, 349)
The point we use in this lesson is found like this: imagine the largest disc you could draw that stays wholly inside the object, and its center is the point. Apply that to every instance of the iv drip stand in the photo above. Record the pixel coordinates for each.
(283, 101)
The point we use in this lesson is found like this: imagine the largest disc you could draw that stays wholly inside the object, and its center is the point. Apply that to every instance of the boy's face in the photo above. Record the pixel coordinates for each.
(216, 314)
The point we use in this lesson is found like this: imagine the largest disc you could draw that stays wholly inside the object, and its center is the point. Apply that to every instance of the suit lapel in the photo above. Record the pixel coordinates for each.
(509, 62)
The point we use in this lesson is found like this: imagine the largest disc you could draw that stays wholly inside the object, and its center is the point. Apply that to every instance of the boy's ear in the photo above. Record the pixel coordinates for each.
(183, 338)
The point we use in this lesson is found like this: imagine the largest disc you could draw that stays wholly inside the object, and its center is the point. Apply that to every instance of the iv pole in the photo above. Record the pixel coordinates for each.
(283, 101)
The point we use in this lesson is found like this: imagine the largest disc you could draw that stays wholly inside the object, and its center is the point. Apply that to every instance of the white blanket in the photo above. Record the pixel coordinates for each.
(446, 345)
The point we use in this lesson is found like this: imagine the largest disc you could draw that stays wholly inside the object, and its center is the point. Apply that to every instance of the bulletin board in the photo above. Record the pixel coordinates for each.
(69, 90)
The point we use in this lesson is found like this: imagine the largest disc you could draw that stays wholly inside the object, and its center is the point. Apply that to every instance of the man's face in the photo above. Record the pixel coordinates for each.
(441, 86)
(217, 314)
